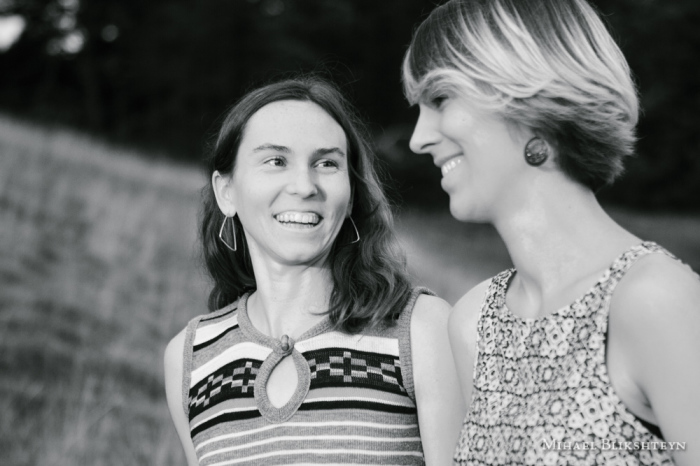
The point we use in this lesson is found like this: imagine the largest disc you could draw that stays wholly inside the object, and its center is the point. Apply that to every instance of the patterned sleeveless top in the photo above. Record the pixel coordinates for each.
(354, 402)
(542, 395)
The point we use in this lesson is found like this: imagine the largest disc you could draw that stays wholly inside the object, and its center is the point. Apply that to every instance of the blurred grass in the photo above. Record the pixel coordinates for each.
(98, 271)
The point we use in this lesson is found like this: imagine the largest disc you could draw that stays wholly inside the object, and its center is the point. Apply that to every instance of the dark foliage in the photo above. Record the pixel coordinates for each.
(159, 74)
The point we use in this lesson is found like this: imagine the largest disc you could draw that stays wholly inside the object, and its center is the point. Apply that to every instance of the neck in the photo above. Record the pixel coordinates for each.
(289, 299)
(558, 236)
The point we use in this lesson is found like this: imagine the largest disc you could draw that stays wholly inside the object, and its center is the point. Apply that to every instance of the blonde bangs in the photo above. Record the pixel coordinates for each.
(550, 65)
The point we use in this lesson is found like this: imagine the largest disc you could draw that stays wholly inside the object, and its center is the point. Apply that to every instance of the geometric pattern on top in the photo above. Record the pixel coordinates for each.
(234, 380)
(357, 410)
(543, 383)
(342, 367)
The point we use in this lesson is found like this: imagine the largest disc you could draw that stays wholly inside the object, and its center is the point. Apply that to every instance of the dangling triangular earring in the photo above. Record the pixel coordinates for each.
(233, 233)
(356, 232)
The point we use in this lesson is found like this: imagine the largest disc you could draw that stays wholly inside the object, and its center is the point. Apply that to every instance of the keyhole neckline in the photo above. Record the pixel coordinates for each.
(271, 342)
(281, 348)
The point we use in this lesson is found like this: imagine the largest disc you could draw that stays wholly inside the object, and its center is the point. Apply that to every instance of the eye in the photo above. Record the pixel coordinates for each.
(438, 100)
(276, 162)
(327, 163)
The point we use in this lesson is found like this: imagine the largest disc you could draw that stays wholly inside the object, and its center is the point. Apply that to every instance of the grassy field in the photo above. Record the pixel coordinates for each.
(98, 270)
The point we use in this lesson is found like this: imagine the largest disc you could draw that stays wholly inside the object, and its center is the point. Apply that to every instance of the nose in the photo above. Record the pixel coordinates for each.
(425, 134)
(303, 183)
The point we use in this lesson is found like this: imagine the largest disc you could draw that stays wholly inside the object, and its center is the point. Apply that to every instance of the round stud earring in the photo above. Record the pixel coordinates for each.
(536, 151)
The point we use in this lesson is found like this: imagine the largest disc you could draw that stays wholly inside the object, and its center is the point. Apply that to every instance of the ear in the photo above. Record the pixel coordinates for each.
(223, 190)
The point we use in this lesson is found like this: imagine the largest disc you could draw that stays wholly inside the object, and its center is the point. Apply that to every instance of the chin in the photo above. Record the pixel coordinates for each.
(459, 211)
(464, 212)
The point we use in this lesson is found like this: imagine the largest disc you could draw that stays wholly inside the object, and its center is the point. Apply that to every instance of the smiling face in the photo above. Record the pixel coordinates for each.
(479, 154)
(290, 185)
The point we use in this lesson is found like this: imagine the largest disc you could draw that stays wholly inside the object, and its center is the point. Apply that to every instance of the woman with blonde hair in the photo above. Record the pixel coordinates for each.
(317, 349)
(586, 352)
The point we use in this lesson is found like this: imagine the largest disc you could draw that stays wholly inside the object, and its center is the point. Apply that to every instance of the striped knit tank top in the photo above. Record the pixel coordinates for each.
(354, 402)
(542, 394)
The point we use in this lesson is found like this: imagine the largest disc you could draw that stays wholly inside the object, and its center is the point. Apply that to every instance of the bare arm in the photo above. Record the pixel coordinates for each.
(462, 331)
(655, 321)
(440, 406)
(173, 392)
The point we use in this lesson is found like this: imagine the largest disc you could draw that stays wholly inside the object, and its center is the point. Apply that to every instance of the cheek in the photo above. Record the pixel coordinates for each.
(340, 194)
(257, 187)
(453, 129)
(252, 200)
(484, 139)
(471, 142)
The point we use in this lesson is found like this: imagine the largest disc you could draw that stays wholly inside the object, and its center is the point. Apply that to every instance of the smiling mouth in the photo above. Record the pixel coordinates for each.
(450, 165)
(299, 219)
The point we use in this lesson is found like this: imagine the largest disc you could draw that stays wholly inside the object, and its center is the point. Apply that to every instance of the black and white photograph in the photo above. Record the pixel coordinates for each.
(349, 232)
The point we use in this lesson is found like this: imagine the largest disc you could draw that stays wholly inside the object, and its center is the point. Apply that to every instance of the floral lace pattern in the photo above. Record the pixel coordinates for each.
(542, 395)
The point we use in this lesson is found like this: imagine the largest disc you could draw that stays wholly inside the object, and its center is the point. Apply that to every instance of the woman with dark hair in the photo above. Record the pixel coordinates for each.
(317, 350)
(586, 352)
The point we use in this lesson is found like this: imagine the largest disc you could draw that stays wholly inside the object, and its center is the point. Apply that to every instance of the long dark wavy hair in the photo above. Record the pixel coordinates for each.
(370, 284)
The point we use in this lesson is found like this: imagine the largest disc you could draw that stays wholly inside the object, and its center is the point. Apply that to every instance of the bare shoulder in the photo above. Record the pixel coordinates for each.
(655, 323)
(428, 330)
(174, 368)
(466, 312)
(437, 394)
(174, 353)
(654, 313)
(429, 321)
(429, 312)
(658, 290)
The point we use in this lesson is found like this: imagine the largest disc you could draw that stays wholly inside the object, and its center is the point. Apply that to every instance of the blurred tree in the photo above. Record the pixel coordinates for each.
(661, 41)
(160, 73)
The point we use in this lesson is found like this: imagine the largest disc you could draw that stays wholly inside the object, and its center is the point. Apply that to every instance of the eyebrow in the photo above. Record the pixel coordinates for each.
(329, 150)
(272, 147)
(287, 150)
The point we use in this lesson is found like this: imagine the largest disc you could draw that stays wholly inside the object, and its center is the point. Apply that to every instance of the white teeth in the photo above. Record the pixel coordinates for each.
(298, 217)
(450, 165)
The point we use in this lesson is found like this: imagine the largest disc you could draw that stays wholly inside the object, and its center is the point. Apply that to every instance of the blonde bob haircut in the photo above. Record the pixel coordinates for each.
(549, 65)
